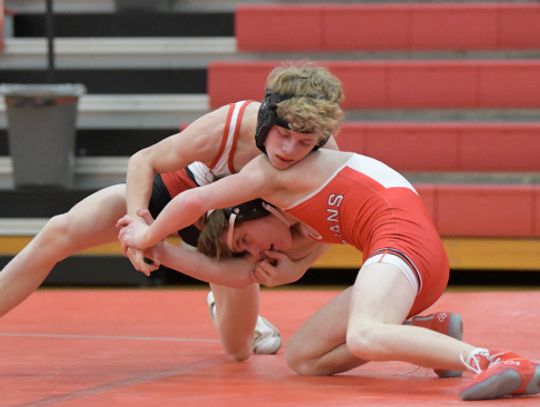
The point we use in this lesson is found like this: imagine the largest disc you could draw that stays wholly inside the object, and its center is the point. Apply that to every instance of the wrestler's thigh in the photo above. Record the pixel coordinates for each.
(381, 294)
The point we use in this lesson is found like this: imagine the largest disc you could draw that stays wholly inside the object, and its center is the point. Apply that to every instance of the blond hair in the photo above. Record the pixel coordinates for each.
(318, 94)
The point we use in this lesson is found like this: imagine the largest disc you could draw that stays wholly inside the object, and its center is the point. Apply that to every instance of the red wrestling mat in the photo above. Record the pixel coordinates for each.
(159, 348)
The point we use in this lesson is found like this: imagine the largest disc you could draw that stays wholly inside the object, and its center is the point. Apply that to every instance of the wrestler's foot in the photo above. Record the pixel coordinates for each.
(447, 323)
(266, 337)
(500, 374)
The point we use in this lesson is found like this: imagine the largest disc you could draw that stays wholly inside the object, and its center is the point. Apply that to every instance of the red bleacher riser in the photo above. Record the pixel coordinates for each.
(410, 84)
(376, 27)
(446, 146)
(494, 210)
(429, 196)
(488, 210)
(278, 27)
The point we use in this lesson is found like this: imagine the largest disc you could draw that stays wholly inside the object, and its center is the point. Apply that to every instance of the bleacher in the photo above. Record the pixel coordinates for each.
(447, 93)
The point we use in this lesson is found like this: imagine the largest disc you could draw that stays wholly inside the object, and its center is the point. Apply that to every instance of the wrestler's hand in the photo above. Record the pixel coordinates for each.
(277, 269)
(145, 261)
(132, 231)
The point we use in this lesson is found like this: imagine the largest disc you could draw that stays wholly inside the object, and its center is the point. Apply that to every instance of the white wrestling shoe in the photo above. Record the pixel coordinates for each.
(266, 337)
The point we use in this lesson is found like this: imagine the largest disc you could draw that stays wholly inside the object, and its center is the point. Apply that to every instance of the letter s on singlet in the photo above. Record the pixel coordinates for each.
(335, 200)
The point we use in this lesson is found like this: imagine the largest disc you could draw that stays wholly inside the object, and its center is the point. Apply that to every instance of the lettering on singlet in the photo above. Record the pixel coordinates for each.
(333, 204)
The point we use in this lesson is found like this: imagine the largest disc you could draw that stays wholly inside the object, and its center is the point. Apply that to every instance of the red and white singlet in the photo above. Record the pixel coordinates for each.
(198, 173)
(369, 205)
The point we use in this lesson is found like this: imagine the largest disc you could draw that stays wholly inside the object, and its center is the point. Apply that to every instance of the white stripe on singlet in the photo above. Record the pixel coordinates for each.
(411, 275)
(374, 169)
(204, 175)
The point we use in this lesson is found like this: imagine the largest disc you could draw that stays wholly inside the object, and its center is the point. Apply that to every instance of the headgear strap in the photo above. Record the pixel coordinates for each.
(250, 210)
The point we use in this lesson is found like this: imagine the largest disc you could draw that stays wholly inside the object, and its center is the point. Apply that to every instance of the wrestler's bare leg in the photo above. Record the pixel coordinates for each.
(89, 223)
(236, 316)
(381, 299)
(334, 340)
(318, 347)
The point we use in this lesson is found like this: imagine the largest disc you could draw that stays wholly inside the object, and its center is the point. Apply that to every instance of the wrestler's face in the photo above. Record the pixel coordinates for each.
(285, 147)
(256, 236)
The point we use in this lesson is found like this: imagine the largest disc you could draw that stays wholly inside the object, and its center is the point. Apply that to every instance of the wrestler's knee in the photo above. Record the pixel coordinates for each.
(298, 364)
(363, 341)
(59, 235)
(56, 228)
(302, 363)
(237, 352)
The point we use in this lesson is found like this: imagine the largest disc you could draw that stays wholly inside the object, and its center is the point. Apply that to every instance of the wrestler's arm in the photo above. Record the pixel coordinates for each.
(187, 207)
(230, 272)
(200, 141)
(278, 269)
(284, 268)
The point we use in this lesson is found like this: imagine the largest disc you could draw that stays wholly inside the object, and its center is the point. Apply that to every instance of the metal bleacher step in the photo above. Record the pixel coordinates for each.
(98, 172)
(134, 111)
(66, 6)
(168, 111)
(21, 226)
(109, 6)
(90, 172)
(95, 172)
(135, 53)
(188, 52)
(77, 6)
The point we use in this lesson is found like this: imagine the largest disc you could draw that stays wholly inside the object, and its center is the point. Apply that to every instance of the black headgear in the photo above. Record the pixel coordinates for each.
(251, 210)
(268, 117)
(247, 211)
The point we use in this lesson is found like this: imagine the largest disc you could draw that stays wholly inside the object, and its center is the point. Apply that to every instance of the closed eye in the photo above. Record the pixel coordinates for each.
(240, 244)
(284, 132)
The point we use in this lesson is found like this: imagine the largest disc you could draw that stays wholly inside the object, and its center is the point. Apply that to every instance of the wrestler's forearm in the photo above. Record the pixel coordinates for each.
(183, 210)
(231, 272)
(139, 180)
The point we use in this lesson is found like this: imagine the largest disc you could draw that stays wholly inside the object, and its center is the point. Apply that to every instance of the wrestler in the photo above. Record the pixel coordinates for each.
(216, 145)
(348, 198)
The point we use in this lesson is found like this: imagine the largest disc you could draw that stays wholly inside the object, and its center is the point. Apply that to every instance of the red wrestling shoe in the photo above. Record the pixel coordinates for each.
(500, 374)
(447, 323)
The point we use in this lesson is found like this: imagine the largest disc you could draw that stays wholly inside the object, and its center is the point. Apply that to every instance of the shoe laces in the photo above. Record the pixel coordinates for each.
(474, 361)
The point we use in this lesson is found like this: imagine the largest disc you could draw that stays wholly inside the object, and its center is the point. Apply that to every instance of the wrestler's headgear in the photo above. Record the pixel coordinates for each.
(268, 117)
(251, 210)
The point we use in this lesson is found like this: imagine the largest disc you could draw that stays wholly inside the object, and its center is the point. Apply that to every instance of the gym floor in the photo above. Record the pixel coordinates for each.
(158, 347)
